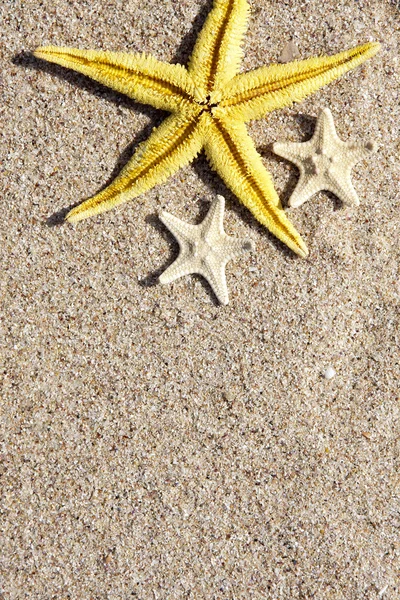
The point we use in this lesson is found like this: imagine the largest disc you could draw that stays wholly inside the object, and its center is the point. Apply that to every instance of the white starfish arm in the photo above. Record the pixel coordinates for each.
(171, 146)
(180, 267)
(336, 183)
(233, 247)
(295, 152)
(357, 152)
(183, 232)
(213, 269)
(141, 77)
(344, 190)
(254, 94)
(304, 190)
(213, 224)
(325, 131)
(217, 54)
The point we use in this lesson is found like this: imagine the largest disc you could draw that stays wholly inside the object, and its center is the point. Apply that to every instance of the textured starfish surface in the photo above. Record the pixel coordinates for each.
(325, 162)
(204, 249)
(210, 102)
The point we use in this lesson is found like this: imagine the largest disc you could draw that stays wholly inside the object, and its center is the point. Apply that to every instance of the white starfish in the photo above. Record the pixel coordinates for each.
(325, 162)
(204, 249)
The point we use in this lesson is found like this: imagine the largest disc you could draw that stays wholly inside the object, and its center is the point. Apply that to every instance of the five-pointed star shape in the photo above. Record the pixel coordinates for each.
(325, 162)
(204, 249)
(210, 104)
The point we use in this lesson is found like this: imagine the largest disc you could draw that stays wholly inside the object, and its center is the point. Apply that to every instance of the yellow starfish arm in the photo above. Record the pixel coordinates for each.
(254, 94)
(171, 146)
(217, 54)
(144, 78)
(232, 154)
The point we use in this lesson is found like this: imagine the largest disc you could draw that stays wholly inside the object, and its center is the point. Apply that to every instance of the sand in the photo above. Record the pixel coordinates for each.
(155, 445)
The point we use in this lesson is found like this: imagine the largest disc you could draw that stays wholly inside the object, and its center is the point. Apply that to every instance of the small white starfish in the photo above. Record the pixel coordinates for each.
(325, 162)
(204, 249)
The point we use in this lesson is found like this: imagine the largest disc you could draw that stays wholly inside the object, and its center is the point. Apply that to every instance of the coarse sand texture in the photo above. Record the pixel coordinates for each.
(155, 445)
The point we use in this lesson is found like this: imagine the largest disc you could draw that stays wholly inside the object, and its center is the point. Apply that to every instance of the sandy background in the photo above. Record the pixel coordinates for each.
(153, 444)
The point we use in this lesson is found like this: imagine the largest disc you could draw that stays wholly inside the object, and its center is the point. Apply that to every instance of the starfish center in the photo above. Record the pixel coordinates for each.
(208, 104)
(321, 162)
(201, 249)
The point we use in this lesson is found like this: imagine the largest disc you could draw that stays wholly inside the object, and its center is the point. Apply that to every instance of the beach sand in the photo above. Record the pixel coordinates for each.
(155, 445)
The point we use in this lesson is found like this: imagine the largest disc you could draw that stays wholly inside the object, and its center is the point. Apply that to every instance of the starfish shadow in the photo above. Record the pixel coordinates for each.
(336, 202)
(307, 124)
(185, 48)
(267, 152)
(208, 289)
(152, 279)
(58, 218)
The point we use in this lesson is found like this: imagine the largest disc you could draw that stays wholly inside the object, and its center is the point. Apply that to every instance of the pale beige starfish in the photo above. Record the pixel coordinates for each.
(325, 162)
(204, 249)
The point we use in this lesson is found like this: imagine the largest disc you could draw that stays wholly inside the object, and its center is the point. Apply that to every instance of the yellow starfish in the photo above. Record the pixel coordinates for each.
(210, 104)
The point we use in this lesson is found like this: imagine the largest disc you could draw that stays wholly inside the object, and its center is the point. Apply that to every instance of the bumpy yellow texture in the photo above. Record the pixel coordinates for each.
(210, 103)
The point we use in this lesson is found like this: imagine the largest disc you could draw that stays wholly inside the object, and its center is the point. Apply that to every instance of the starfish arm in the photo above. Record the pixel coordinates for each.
(344, 190)
(295, 152)
(232, 154)
(213, 228)
(333, 181)
(356, 152)
(180, 267)
(217, 54)
(252, 95)
(183, 232)
(325, 130)
(213, 270)
(304, 190)
(171, 146)
(231, 247)
(141, 77)
(213, 223)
